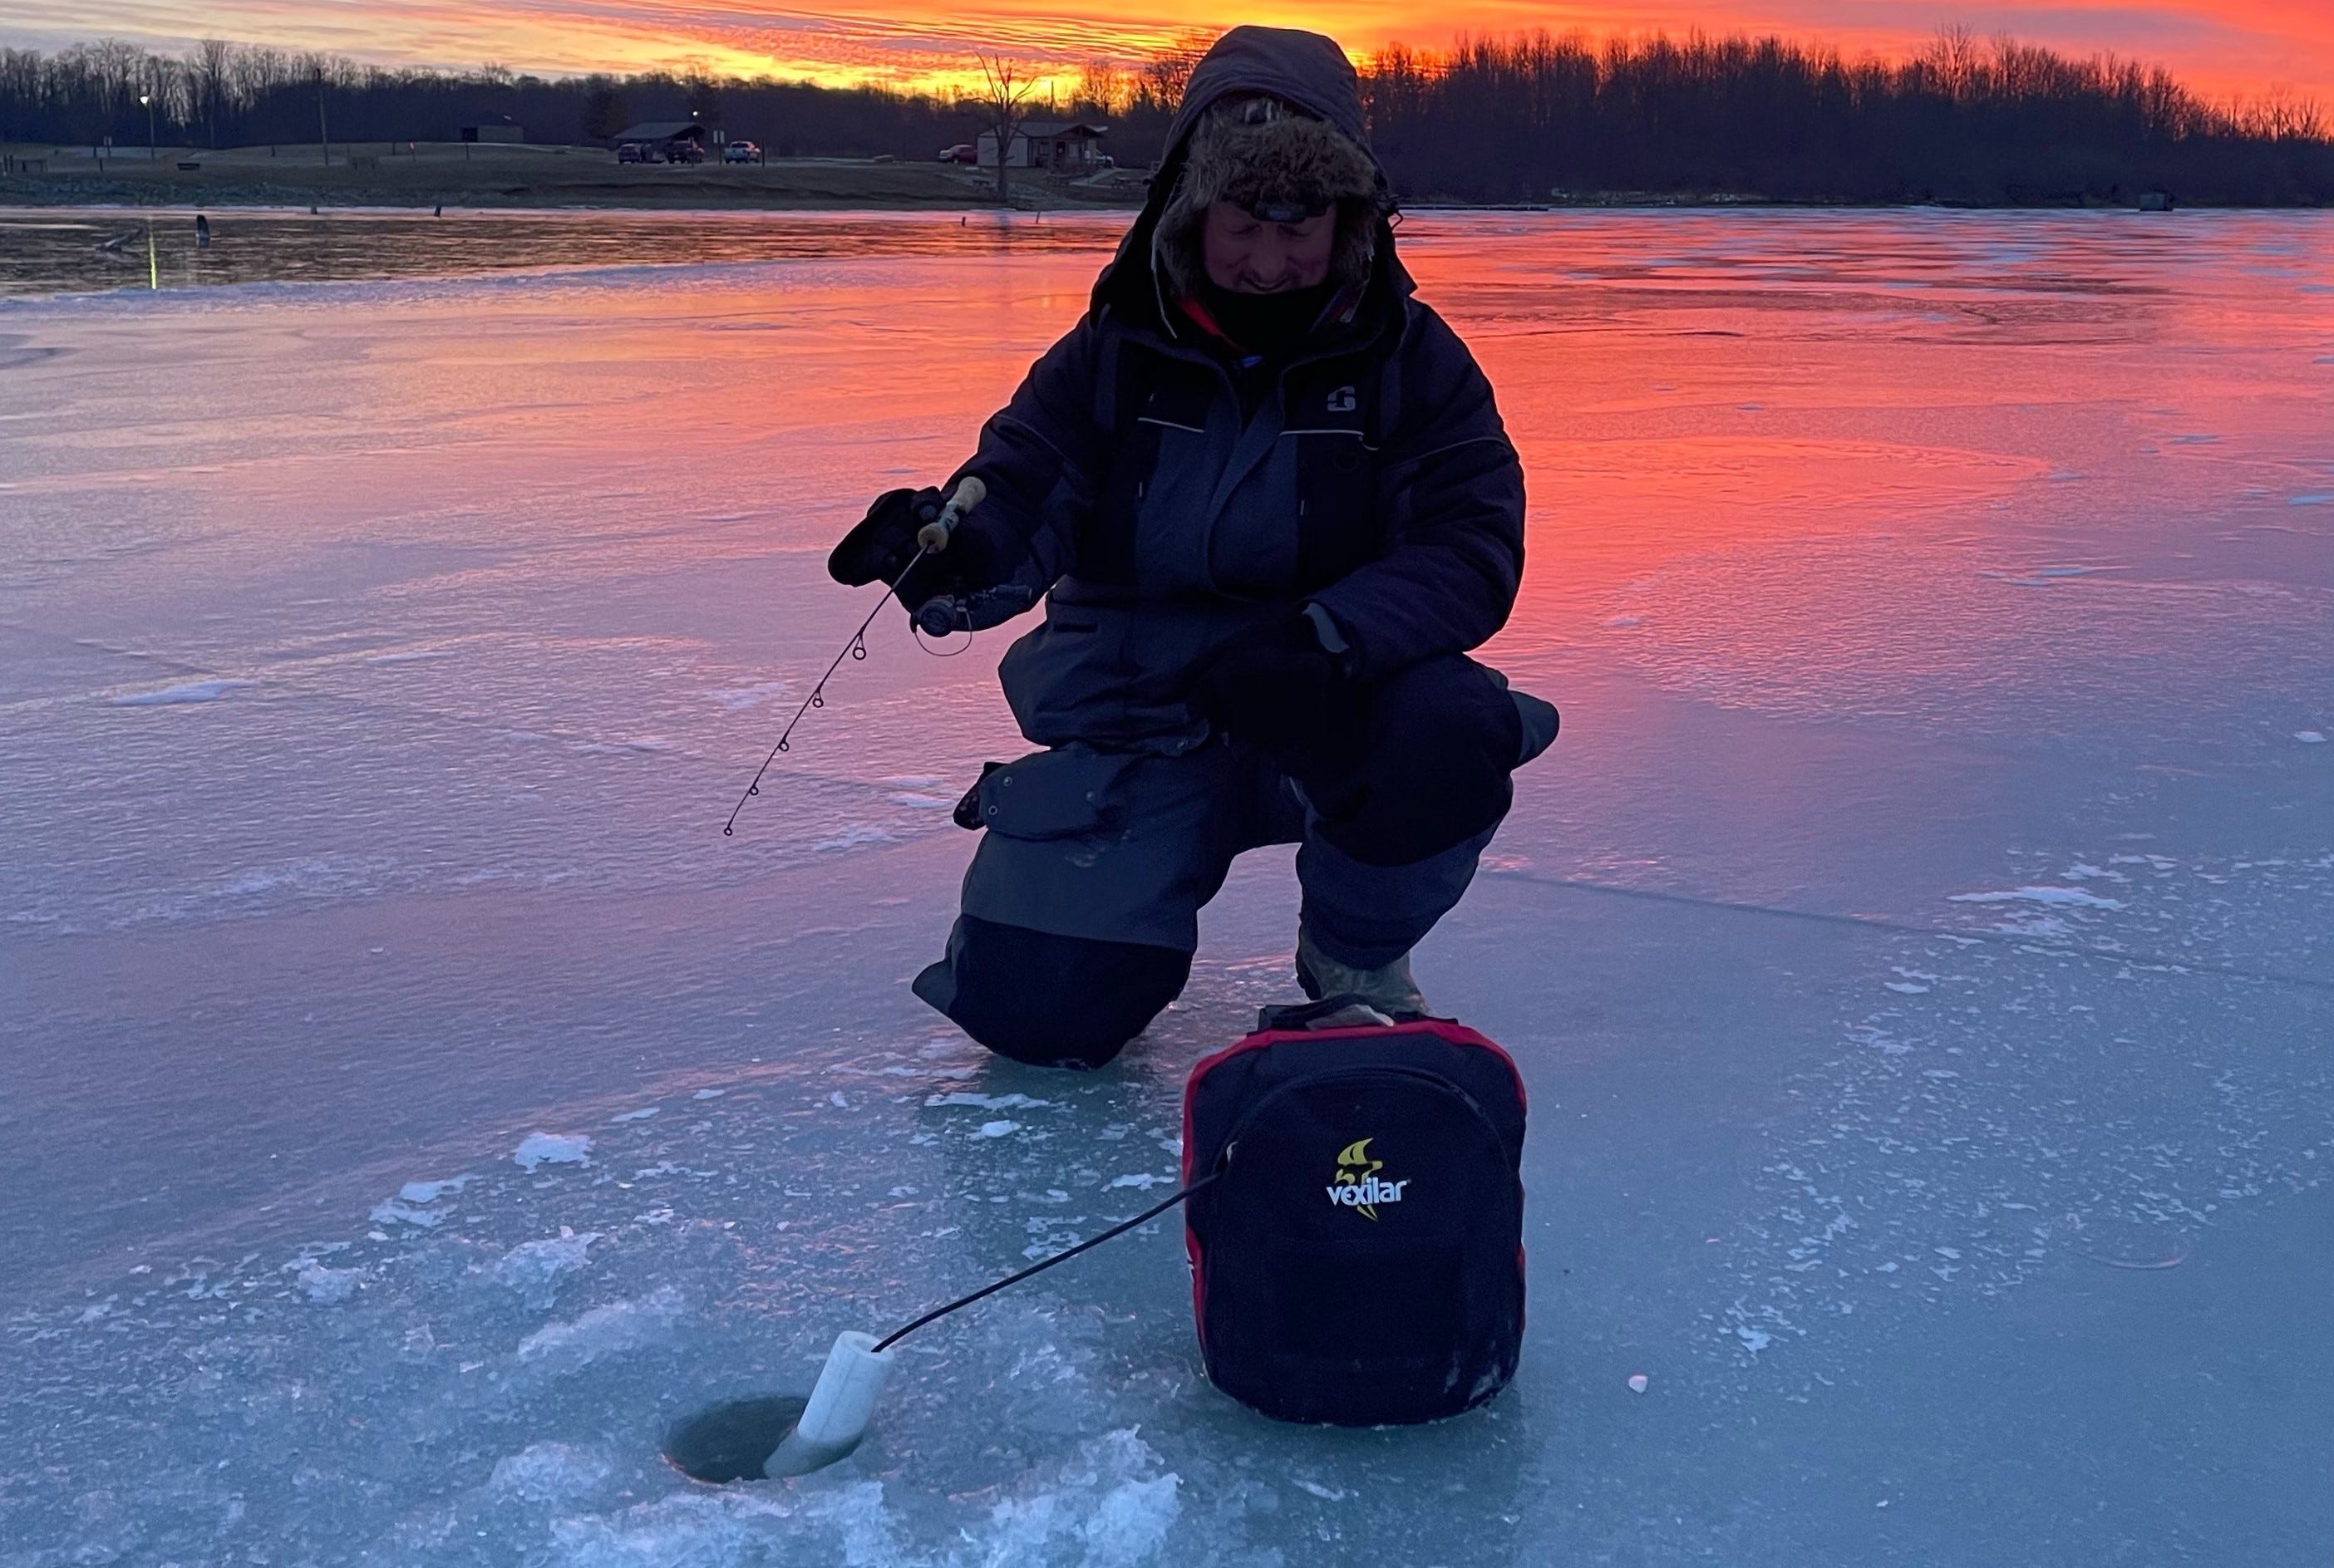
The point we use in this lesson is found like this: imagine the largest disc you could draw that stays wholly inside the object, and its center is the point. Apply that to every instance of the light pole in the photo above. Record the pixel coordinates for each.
(147, 100)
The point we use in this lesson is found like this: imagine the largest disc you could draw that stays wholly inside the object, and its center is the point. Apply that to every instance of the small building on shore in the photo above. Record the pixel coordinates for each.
(1055, 146)
(496, 129)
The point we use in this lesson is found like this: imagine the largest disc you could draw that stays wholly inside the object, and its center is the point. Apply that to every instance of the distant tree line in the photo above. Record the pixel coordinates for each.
(1521, 118)
(1529, 118)
(221, 94)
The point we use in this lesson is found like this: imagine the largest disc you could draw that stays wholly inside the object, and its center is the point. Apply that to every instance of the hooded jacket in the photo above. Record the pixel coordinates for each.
(1160, 511)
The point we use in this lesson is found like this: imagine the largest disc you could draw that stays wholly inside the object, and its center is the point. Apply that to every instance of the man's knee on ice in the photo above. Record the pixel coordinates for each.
(1047, 1000)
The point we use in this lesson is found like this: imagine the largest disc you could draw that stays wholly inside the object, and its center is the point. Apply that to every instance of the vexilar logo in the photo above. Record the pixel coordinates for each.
(1356, 1183)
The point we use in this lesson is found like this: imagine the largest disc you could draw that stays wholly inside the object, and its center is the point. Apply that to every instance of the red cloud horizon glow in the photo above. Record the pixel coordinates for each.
(2223, 48)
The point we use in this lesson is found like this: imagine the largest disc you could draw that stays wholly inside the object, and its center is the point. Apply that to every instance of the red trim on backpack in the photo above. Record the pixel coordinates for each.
(1444, 1029)
(1190, 1240)
(1199, 1285)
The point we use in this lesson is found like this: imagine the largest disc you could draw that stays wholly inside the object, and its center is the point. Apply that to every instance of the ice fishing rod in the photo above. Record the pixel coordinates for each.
(931, 540)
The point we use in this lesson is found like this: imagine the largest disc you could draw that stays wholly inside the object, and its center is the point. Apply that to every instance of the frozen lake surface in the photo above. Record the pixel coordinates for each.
(1920, 947)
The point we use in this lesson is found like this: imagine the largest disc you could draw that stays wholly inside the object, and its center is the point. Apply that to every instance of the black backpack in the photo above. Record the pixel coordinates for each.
(1358, 1259)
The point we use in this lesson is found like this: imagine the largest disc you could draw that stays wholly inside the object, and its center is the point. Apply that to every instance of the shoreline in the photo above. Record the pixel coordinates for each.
(429, 177)
(22, 194)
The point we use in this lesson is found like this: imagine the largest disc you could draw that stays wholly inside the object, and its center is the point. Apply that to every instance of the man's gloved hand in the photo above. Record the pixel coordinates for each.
(1275, 688)
(880, 548)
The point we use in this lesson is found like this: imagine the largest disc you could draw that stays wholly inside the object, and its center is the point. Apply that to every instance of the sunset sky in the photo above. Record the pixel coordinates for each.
(2224, 47)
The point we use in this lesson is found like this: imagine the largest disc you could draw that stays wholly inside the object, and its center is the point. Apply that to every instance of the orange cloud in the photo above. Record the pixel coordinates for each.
(2224, 47)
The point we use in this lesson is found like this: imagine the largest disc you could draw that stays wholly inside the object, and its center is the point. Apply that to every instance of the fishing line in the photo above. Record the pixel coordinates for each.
(1154, 1212)
(931, 540)
(854, 648)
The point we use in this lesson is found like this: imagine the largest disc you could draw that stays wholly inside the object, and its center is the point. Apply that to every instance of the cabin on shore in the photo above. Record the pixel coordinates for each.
(1055, 146)
(497, 129)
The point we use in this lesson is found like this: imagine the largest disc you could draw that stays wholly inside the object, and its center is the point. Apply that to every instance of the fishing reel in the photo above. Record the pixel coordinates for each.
(944, 613)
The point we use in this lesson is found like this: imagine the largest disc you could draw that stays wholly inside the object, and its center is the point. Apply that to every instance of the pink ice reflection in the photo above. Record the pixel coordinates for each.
(2016, 478)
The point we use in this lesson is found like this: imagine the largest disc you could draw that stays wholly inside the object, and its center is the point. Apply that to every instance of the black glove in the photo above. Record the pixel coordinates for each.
(880, 548)
(1274, 688)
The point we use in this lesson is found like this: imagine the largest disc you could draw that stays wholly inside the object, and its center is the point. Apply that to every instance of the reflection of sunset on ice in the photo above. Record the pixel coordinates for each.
(1915, 946)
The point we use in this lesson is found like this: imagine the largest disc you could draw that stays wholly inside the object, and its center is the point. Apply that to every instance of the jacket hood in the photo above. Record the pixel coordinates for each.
(1306, 69)
(1300, 68)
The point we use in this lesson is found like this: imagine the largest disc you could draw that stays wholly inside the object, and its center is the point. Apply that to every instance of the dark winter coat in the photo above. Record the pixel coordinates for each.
(1161, 506)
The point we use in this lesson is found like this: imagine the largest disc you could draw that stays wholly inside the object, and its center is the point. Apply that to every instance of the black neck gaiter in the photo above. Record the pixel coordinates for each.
(1272, 325)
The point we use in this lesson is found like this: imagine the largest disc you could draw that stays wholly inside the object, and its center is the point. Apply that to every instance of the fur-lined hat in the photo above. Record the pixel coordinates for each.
(1261, 154)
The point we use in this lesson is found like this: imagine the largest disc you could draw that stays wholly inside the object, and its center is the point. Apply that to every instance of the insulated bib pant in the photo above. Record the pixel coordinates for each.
(1080, 908)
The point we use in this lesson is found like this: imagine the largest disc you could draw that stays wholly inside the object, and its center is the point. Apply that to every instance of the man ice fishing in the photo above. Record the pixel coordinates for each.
(1270, 505)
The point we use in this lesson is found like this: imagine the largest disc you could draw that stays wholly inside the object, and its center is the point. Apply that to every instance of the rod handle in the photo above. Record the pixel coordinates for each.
(934, 536)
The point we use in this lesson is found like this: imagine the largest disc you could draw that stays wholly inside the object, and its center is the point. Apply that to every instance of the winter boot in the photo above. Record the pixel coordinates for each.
(1388, 989)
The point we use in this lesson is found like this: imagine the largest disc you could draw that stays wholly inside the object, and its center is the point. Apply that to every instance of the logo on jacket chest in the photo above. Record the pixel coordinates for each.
(1343, 400)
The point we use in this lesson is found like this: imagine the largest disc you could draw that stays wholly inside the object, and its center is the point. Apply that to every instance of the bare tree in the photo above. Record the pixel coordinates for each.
(1168, 73)
(603, 110)
(1002, 107)
(1101, 88)
(1952, 61)
(208, 65)
(319, 69)
(112, 65)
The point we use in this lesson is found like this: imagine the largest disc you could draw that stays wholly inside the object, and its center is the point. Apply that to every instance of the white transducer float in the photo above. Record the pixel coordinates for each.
(842, 1404)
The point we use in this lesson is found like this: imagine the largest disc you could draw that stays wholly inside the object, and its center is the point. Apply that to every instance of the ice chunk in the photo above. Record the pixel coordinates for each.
(996, 1129)
(533, 1269)
(989, 1102)
(1107, 1505)
(551, 1149)
(604, 1331)
(395, 1213)
(557, 1474)
(187, 691)
(430, 1191)
(2066, 897)
(328, 1285)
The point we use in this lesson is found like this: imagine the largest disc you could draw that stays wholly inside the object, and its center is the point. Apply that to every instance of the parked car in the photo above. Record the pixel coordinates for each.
(741, 152)
(632, 152)
(962, 152)
(684, 152)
